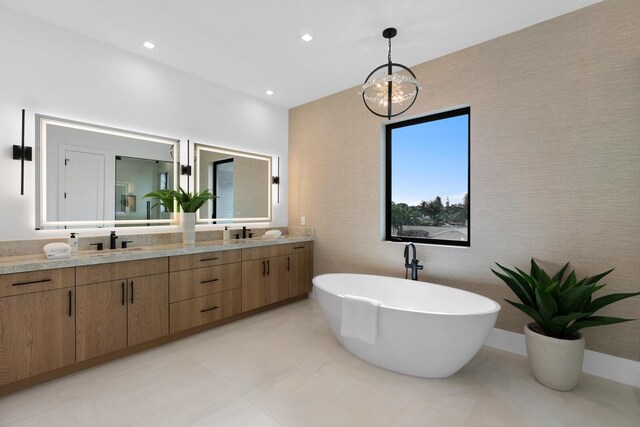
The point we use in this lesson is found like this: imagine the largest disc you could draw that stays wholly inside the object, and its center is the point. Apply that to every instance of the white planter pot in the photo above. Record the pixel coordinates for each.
(188, 220)
(555, 363)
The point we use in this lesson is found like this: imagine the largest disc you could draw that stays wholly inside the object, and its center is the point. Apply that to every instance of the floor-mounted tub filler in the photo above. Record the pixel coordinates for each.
(414, 328)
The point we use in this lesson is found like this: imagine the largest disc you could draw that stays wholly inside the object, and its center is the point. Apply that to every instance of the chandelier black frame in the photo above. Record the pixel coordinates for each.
(390, 33)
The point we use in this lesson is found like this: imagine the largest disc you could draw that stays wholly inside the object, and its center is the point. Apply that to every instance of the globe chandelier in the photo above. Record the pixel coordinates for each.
(390, 89)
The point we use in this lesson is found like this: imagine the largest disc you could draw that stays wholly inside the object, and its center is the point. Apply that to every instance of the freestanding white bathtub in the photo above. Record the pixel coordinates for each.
(424, 329)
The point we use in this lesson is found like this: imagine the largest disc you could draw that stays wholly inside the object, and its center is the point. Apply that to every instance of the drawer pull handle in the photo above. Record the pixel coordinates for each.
(298, 247)
(132, 292)
(208, 259)
(264, 267)
(288, 264)
(122, 293)
(32, 283)
(209, 281)
(204, 310)
(70, 303)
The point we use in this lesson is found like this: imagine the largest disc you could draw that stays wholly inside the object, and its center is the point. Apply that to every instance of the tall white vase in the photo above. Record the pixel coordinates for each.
(188, 228)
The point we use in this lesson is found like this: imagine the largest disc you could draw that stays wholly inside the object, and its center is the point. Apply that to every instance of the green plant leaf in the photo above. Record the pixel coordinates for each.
(576, 298)
(603, 301)
(547, 306)
(558, 276)
(535, 270)
(528, 311)
(569, 283)
(592, 321)
(521, 279)
(521, 291)
(534, 283)
(594, 279)
(559, 324)
(540, 275)
(552, 288)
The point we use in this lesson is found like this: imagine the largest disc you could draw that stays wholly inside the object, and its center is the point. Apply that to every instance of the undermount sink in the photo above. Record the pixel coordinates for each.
(116, 251)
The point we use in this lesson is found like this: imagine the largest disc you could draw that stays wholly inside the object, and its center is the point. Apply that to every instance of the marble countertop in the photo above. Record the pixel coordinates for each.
(25, 263)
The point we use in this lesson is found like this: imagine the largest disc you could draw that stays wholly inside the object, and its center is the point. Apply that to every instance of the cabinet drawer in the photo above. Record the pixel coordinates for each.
(205, 259)
(120, 270)
(199, 311)
(299, 247)
(35, 281)
(263, 252)
(198, 282)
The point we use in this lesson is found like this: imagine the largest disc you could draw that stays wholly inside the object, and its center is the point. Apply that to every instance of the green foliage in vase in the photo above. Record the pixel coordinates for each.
(165, 198)
(188, 202)
(560, 308)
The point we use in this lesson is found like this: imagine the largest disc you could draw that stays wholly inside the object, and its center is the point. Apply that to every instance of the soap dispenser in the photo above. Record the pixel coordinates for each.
(225, 233)
(73, 242)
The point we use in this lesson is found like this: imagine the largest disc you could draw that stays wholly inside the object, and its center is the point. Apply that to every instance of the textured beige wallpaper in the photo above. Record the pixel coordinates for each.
(555, 163)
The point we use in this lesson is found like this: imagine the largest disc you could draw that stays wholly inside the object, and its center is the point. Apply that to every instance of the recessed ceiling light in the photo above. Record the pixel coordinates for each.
(269, 92)
(149, 45)
(307, 37)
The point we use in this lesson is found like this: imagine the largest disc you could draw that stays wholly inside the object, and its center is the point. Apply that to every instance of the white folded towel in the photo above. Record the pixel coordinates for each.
(360, 318)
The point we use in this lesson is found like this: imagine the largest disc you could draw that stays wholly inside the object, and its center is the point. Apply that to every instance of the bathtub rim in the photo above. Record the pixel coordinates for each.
(495, 309)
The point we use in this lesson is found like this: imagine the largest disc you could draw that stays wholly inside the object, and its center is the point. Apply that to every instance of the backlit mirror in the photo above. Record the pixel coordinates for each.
(92, 176)
(241, 182)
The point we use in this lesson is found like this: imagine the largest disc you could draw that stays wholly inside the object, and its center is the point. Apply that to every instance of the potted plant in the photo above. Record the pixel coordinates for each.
(189, 203)
(560, 309)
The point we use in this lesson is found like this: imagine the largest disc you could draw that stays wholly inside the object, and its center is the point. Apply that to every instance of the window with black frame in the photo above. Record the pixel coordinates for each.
(428, 179)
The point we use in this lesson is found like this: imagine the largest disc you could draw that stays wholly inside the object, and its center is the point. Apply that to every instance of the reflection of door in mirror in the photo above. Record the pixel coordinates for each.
(222, 185)
(82, 183)
(135, 178)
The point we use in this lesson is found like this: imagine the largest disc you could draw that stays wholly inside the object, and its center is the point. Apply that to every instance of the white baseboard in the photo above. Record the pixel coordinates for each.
(603, 365)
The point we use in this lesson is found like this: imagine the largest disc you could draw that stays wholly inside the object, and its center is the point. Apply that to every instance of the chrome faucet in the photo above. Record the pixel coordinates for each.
(413, 264)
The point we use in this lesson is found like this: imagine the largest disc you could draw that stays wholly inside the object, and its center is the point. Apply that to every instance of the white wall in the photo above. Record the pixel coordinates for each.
(51, 71)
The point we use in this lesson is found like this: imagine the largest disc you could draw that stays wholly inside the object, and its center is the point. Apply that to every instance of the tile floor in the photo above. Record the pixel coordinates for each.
(284, 368)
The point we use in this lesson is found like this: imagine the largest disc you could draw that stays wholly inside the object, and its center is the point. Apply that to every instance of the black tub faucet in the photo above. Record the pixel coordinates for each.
(112, 240)
(413, 264)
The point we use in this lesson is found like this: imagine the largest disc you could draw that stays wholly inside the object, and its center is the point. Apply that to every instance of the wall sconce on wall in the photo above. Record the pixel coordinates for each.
(276, 181)
(22, 153)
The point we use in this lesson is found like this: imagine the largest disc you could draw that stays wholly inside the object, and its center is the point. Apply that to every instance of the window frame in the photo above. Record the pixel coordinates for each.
(388, 174)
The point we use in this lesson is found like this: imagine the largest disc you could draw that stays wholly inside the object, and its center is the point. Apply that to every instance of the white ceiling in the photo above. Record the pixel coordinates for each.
(254, 45)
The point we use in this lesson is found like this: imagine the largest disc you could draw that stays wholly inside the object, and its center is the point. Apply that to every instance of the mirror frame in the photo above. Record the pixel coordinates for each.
(42, 122)
(213, 221)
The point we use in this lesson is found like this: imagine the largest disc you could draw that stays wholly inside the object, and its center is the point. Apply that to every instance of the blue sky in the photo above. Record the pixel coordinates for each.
(429, 160)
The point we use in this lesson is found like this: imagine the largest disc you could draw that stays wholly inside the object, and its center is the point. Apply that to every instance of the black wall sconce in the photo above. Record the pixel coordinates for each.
(186, 169)
(22, 153)
(276, 180)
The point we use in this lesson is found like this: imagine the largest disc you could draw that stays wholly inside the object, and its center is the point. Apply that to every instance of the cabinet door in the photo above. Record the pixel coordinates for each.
(305, 275)
(293, 271)
(276, 288)
(37, 333)
(299, 273)
(253, 284)
(148, 308)
(101, 325)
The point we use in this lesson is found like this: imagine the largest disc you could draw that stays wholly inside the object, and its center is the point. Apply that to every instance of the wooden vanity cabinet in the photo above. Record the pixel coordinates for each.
(53, 319)
(128, 306)
(37, 323)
